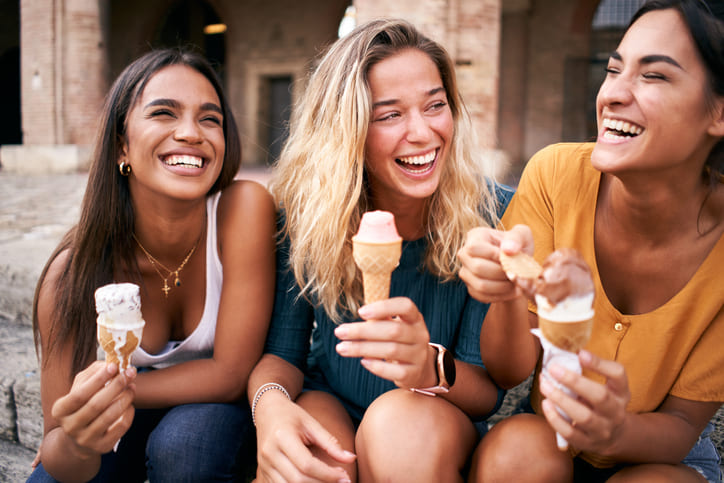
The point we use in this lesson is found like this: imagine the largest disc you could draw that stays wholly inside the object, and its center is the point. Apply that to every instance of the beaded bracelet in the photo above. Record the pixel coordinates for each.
(260, 392)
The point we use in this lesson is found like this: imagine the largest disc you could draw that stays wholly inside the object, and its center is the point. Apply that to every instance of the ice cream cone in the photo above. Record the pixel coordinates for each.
(569, 336)
(376, 249)
(377, 261)
(119, 323)
(119, 344)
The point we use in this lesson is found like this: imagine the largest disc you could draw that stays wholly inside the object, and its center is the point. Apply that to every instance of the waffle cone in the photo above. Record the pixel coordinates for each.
(119, 344)
(377, 261)
(569, 336)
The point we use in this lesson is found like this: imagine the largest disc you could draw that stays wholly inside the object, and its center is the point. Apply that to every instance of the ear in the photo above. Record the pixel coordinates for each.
(123, 151)
(716, 128)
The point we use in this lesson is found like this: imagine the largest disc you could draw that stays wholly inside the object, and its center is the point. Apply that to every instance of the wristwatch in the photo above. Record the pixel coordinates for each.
(445, 365)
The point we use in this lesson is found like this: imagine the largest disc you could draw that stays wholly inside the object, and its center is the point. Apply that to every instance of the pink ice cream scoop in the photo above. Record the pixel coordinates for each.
(377, 227)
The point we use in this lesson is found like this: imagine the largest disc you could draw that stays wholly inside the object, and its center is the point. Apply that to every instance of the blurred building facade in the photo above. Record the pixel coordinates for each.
(528, 69)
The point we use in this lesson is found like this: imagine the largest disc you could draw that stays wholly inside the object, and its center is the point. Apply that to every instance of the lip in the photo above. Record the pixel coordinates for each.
(420, 173)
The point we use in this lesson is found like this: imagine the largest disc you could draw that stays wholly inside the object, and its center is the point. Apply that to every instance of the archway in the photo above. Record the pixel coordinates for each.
(194, 24)
(10, 120)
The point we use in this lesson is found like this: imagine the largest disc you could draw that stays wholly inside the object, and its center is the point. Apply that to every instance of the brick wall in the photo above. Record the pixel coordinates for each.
(63, 70)
(37, 70)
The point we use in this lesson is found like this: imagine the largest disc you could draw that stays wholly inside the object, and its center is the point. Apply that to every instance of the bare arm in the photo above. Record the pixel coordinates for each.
(507, 347)
(246, 226)
(82, 417)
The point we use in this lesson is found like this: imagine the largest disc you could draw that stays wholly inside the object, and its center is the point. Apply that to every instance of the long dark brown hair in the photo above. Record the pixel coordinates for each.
(101, 243)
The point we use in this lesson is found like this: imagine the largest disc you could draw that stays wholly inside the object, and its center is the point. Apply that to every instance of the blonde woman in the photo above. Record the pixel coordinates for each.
(381, 126)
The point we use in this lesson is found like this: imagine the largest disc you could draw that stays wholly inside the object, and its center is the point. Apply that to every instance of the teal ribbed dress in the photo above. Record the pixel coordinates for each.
(453, 319)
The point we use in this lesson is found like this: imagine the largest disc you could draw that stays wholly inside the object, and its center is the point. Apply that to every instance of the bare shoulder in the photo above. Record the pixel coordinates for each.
(246, 215)
(246, 197)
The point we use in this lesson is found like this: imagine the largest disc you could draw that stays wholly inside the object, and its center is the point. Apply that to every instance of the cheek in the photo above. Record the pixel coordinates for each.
(444, 126)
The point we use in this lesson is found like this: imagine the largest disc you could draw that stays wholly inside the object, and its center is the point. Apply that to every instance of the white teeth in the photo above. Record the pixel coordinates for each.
(622, 126)
(178, 159)
(424, 159)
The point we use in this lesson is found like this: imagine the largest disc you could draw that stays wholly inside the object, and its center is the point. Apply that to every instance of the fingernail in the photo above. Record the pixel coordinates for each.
(545, 386)
(509, 245)
(556, 371)
(341, 332)
(585, 356)
(364, 311)
(112, 368)
(343, 347)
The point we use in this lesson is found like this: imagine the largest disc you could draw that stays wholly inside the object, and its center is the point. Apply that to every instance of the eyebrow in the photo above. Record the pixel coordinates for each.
(651, 59)
(207, 106)
(389, 102)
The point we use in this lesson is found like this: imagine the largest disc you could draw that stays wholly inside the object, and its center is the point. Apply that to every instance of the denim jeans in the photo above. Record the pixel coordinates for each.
(191, 442)
(704, 457)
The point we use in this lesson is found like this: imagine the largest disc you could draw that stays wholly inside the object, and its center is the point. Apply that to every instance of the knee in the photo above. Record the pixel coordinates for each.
(521, 448)
(436, 436)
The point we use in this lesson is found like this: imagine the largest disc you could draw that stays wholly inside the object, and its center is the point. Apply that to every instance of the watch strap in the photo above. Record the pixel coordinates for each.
(442, 386)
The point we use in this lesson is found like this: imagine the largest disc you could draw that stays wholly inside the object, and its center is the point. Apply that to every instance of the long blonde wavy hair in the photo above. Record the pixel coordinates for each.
(319, 179)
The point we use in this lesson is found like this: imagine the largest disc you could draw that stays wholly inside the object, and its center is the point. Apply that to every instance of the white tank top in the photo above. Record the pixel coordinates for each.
(200, 344)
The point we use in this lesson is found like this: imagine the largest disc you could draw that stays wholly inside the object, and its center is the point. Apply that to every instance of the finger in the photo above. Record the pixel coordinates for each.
(482, 242)
(92, 408)
(517, 239)
(302, 460)
(116, 413)
(613, 371)
(398, 308)
(391, 351)
(394, 371)
(490, 282)
(101, 433)
(87, 383)
(586, 389)
(116, 431)
(568, 429)
(36, 460)
(384, 331)
(569, 404)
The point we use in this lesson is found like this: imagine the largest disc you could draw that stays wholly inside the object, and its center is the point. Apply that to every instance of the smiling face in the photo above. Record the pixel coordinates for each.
(174, 135)
(410, 130)
(652, 108)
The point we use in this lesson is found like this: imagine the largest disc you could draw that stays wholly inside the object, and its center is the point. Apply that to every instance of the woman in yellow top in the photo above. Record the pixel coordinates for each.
(645, 207)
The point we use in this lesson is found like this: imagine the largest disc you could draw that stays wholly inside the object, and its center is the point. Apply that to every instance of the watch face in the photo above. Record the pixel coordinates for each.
(448, 362)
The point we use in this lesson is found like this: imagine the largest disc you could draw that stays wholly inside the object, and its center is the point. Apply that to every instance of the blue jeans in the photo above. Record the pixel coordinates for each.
(704, 457)
(191, 442)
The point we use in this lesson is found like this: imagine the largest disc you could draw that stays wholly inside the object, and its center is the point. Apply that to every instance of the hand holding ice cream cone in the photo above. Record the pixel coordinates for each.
(376, 250)
(563, 291)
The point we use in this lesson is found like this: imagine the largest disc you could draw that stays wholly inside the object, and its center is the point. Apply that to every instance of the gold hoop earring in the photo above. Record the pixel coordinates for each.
(124, 168)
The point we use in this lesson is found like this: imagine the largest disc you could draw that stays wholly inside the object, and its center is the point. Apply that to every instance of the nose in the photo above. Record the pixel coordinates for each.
(615, 89)
(418, 128)
(188, 130)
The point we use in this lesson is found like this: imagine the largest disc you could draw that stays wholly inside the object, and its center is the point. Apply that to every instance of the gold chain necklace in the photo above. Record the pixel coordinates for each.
(155, 264)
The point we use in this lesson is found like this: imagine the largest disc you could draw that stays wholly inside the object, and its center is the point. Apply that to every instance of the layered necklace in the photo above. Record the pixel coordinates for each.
(158, 265)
